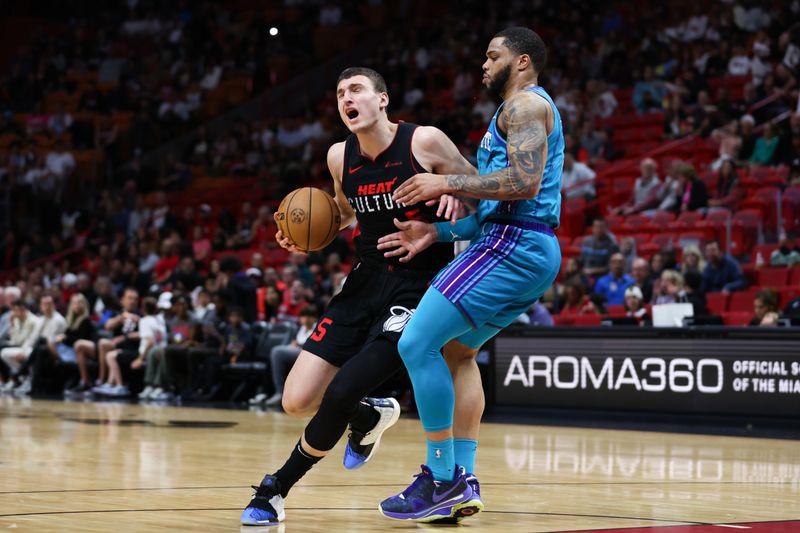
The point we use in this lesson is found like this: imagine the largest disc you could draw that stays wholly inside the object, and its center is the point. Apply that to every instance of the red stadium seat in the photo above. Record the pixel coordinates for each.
(794, 276)
(791, 209)
(717, 302)
(615, 310)
(563, 320)
(737, 318)
(587, 320)
(663, 218)
(746, 230)
(775, 277)
(665, 241)
(742, 300)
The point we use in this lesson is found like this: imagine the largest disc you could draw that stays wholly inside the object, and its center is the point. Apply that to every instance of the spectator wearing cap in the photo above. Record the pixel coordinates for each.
(722, 272)
(634, 305)
(612, 286)
(645, 190)
(785, 255)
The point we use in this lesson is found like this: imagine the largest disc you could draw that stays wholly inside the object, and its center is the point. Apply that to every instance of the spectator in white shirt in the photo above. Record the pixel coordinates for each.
(645, 190)
(577, 179)
(22, 336)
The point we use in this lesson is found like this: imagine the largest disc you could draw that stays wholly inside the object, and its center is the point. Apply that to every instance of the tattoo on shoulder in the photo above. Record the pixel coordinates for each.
(527, 154)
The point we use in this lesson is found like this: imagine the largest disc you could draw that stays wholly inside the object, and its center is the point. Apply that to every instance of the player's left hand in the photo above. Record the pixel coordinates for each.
(419, 188)
(414, 236)
(449, 206)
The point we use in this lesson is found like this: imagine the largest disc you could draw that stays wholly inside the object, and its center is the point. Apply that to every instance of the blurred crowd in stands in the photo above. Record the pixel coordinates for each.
(172, 267)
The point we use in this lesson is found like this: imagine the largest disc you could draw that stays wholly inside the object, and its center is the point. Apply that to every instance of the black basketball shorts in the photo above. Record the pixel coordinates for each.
(373, 303)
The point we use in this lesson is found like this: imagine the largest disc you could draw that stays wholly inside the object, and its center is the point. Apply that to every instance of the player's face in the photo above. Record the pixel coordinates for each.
(497, 67)
(360, 105)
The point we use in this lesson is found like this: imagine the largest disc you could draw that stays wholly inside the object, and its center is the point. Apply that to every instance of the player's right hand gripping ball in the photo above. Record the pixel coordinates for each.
(309, 217)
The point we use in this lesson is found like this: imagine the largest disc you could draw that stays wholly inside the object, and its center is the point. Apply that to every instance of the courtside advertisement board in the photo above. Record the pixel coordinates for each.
(648, 370)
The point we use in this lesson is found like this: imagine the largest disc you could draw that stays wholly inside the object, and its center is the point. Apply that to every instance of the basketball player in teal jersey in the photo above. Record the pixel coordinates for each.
(514, 257)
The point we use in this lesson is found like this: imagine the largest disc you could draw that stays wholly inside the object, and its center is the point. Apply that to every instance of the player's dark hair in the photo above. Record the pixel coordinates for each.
(377, 80)
(526, 41)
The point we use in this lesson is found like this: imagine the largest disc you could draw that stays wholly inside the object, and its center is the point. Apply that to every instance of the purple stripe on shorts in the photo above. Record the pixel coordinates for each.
(485, 266)
(482, 260)
(445, 279)
(476, 278)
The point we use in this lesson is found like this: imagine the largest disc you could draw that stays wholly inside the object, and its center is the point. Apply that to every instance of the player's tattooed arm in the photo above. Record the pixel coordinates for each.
(524, 117)
(525, 120)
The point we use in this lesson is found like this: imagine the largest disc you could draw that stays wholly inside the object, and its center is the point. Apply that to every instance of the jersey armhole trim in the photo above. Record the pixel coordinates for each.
(411, 153)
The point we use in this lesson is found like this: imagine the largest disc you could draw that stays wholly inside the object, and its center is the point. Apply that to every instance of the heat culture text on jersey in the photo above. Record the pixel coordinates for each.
(373, 197)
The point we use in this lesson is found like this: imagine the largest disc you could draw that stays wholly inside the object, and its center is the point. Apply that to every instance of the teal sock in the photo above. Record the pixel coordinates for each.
(465, 453)
(441, 459)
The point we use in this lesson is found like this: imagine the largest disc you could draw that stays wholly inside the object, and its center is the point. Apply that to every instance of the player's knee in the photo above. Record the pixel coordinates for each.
(409, 345)
(297, 405)
(338, 396)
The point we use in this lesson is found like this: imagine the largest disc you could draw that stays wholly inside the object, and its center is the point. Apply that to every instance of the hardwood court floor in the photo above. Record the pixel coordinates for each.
(112, 467)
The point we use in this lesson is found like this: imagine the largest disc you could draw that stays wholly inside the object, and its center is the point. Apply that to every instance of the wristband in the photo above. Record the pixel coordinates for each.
(463, 230)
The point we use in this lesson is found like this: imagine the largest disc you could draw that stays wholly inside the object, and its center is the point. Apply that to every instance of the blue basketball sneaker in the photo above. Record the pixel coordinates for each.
(362, 443)
(468, 508)
(266, 507)
(428, 500)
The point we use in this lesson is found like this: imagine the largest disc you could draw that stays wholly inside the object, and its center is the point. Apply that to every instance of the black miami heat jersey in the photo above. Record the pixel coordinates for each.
(368, 186)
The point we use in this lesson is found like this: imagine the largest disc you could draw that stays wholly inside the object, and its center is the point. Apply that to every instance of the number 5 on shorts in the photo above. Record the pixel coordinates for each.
(320, 331)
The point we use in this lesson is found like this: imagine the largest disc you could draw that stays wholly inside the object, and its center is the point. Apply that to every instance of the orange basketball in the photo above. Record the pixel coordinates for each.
(309, 217)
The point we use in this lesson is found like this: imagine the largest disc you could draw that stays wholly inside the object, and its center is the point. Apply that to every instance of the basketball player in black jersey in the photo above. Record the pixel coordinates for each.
(354, 347)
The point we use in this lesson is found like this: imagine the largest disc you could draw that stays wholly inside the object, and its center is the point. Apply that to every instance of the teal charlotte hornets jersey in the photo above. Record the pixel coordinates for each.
(545, 207)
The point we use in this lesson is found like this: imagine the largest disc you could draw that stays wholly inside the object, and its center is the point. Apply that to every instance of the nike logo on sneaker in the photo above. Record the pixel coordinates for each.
(436, 497)
(359, 167)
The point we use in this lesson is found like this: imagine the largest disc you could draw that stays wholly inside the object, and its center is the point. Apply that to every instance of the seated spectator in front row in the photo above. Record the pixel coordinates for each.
(765, 308)
(785, 255)
(124, 345)
(21, 338)
(645, 191)
(152, 345)
(612, 286)
(51, 325)
(722, 272)
(282, 358)
(63, 347)
(232, 341)
(597, 249)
